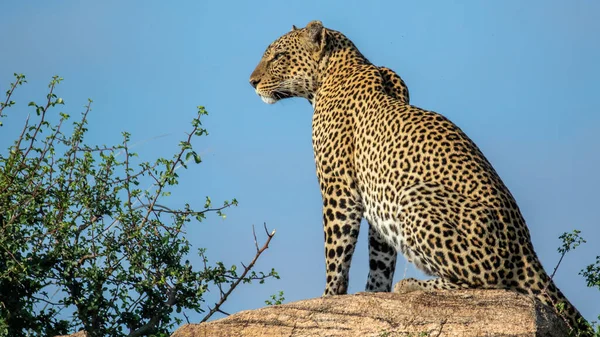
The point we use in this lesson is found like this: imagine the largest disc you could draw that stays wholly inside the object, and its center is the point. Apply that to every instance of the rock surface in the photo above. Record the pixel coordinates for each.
(443, 313)
(77, 334)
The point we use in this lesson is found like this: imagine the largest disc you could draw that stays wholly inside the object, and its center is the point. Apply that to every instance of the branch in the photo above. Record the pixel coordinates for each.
(241, 278)
(146, 328)
(556, 268)
(86, 148)
(42, 119)
(164, 209)
(163, 181)
(85, 258)
(46, 301)
(187, 319)
(223, 312)
(17, 148)
(9, 93)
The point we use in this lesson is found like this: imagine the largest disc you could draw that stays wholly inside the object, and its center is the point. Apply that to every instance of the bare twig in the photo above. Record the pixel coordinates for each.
(223, 312)
(241, 278)
(46, 301)
(255, 240)
(556, 268)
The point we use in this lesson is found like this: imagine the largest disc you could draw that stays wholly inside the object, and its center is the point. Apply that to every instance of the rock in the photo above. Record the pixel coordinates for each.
(443, 313)
(77, 334)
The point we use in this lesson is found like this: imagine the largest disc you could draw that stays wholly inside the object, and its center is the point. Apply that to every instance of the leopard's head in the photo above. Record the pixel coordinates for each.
(290, 65)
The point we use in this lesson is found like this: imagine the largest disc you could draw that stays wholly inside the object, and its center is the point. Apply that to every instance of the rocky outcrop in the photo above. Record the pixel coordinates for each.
(443, 313)
(77, 334)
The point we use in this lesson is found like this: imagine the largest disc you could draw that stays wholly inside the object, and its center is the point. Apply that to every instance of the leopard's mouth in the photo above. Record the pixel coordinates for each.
(281, 95)
(267, 99)
(274, 97)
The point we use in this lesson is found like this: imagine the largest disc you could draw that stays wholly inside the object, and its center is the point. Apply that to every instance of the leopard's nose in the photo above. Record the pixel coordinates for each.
(254, 82)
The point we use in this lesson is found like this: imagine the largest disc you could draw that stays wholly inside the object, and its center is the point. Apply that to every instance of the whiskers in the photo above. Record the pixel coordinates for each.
(295, 84)
(289, 87)
(295, 87)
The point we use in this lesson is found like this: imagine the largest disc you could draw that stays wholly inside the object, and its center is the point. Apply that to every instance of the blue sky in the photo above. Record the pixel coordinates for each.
(519, 77)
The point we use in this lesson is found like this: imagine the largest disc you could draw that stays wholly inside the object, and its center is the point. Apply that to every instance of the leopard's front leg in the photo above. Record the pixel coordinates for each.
(342, 214)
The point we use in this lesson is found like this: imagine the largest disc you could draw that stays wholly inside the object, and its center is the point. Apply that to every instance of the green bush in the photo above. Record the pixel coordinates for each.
(85, 245)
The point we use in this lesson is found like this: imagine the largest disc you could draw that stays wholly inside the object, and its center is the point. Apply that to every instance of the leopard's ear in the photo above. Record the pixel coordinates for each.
(316, 37)
(294, 28)
(315, 31)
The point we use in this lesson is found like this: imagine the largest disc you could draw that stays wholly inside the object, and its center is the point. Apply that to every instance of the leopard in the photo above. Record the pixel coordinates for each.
(423, 186)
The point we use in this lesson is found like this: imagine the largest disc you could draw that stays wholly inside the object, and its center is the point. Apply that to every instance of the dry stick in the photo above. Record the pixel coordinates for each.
(545, 291)
(187, 319)
(259, 251)
(556, 268)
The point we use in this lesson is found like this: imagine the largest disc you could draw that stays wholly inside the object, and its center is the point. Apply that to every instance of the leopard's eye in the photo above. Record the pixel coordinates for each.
(278, 55)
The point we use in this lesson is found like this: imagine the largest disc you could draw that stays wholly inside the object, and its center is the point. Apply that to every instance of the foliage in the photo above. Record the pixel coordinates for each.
(570, 241)
(276, 299)
(83, 246)
(592, 274)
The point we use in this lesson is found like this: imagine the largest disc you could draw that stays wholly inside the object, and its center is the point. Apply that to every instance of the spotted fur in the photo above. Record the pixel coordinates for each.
(424, 187)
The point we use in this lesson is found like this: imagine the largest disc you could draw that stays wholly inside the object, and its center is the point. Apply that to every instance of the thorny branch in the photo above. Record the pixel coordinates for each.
(259, 251)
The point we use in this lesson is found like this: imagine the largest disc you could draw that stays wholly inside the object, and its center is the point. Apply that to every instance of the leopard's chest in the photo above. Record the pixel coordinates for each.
(333, 142)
